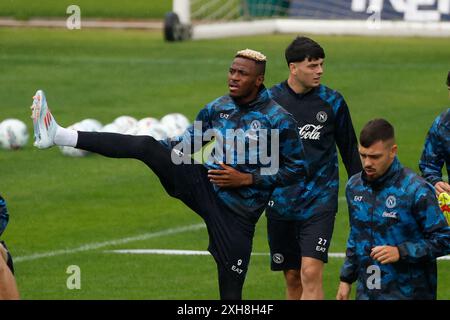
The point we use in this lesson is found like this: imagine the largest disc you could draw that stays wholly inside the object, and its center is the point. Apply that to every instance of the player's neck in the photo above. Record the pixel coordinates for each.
(297, 87)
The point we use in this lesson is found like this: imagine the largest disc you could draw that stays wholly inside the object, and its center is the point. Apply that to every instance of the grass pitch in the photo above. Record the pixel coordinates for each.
(106, 9)
(68, 211)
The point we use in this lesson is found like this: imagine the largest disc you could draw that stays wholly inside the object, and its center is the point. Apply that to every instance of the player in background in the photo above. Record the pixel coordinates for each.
(8, 286)
(397, 229)
(436, 150)
(300, 219)
(228, 193)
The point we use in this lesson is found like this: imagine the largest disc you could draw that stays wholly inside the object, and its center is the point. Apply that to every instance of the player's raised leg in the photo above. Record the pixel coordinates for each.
(47, 132)
(43, 122)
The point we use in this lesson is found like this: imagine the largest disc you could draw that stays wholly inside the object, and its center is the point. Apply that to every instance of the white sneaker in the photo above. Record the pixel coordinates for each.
(43, 121)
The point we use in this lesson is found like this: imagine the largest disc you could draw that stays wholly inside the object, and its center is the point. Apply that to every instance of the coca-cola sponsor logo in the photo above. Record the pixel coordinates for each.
(310, 131)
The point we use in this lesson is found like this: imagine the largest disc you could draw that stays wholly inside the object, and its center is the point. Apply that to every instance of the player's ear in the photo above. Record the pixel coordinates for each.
(393, 152)
(260, 80)
(292, 68)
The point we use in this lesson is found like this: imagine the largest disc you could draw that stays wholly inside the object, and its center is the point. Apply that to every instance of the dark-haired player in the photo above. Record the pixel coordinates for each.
(300, 217)
(436, 151)
(397, 229)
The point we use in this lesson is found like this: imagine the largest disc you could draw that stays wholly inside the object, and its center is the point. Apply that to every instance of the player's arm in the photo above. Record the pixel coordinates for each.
(291, 166)
(346, 140)
(349, 270)
(344, 290)
(4, 216)
(432, 159)
(434, 227)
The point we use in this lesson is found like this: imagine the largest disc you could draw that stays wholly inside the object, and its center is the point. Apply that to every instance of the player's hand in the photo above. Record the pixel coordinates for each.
(344, 291)
(385, 254)
(229, 177)
(442, 186)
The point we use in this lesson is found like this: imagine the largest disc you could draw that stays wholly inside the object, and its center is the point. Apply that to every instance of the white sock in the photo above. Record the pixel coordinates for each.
(66, 137)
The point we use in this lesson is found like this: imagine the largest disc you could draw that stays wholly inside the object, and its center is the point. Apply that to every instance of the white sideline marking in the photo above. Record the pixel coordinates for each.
(86, 23)
(98, 245)
(145, 236)
(206, 253)
(190, 252)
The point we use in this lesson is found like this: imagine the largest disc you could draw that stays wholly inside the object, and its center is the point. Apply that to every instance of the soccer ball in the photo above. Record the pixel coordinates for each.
(156, 131)
(444, 203)
(146, 123)
(125, 123)
(150, 127)
(13, 134)
(91, 125)
(74, 152)
(111, 128)
(175, 124)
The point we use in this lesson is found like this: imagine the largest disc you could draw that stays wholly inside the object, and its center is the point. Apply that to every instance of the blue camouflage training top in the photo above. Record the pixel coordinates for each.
(323, 122)
(398, 209)
(4, 216)
(436, 151)
(244, 136)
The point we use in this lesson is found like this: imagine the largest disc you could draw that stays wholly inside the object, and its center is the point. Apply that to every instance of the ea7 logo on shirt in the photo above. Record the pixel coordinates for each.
(358, 198)
(224, 115)
(321, 116)
(391, 202)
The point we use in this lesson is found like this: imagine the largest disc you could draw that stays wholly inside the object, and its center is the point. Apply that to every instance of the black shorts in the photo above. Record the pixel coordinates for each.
(290, 240)
(230, 234)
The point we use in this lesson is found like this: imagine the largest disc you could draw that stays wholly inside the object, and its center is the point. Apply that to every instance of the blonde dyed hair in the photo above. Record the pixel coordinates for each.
(252, 55)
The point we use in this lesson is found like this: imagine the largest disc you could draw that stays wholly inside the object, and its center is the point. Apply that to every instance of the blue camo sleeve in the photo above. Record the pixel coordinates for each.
(292, 167)
(4, 216)
(436, 232)
(346, 138)
(432, 159)
(349, 270)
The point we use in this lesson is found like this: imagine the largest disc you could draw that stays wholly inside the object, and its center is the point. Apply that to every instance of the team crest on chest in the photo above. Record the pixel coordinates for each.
(255, 125)
(391, 202)
(321, 116)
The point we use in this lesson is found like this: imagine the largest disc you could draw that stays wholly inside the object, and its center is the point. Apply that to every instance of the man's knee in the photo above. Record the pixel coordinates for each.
(312, 271)
(293, 278)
